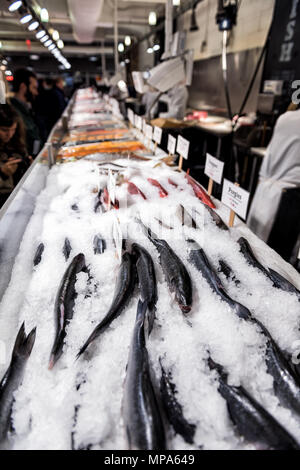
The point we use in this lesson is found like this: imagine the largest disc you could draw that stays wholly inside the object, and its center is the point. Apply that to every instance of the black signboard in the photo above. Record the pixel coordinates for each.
(283, 56)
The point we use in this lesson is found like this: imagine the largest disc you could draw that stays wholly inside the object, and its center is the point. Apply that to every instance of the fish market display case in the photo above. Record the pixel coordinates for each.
(127, 265)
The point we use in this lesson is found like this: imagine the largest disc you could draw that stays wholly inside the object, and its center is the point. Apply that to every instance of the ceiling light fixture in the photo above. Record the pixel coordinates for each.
(127, 40)
(48, 43)
(44, 38)
(40, 34)
(55, 35)
(25, 18)
(150, 50)
(60, 44)
(44, 15)
(156, 47)
(152, 18)
(176, 3)
(51, 47)
(121, 47)
(15, 6)
(33, 26)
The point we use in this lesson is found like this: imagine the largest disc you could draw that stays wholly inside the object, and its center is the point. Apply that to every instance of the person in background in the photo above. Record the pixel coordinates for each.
(14, 160)
(150, 101)
(25, 87)
(280, 170)
(176, 98)
(43, 107)
(49, 104)
(59, 87)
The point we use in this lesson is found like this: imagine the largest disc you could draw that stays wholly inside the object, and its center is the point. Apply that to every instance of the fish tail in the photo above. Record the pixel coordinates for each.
(215, 366)
(151, 318)
(24, 344)
(91, 338)
(141, 310)
(151, 235)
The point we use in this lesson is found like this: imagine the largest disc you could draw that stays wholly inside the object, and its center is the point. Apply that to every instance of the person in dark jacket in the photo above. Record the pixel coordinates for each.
(25, 87)
(59, 86)
(14, 159)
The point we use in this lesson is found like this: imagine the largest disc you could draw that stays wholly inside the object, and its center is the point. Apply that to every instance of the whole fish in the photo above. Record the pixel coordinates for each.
(162, 191)
(198, 258)
(64, 305)
(199, 191)
(14, 376)
(123, 292)
(172, 183)
(216, 218)
(141, 414)
(252, 421)
(98, 203)
(278, 281)
(133, 189)
(177, 277)
(38, 254)
(67, 248)
(185, 217)
(99, 245)
(173, 408)
(147, 281)
(286, 382)
(106, 199)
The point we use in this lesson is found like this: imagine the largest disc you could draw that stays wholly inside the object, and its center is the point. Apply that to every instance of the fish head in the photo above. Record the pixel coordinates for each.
(184, 302)
(80, 262)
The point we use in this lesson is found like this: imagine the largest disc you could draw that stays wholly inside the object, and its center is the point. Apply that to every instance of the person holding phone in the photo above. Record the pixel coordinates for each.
(14, 160)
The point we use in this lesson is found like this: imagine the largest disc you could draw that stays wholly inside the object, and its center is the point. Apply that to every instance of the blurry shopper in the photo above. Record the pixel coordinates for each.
(14, 160)
(150, 101)
(280, 169)
(25, 87)
(177, 99)
(59, 90)
(49, 104)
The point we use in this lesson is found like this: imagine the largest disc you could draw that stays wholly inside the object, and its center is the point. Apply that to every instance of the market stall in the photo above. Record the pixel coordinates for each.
(156, 325)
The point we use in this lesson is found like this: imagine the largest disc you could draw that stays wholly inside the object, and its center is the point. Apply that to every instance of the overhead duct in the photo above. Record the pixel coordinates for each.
(85, 18)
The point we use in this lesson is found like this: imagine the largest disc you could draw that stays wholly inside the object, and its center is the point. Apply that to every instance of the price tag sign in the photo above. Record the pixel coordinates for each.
(183, 146)
(149, 131)
(214, 168)
(144, 126)
(139, 122)
(111, 186)
(235, 198)
(171, 144)
(157, 134)
(152, 146)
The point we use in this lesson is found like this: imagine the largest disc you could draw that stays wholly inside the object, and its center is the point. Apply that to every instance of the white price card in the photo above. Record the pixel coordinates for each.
(144, 126)
(214, 168)
(111, 186)
(183, 146)
(235, 198)
(152, 146)
(157, 134)
(149, 131)
(139, 122)
(171, 144)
